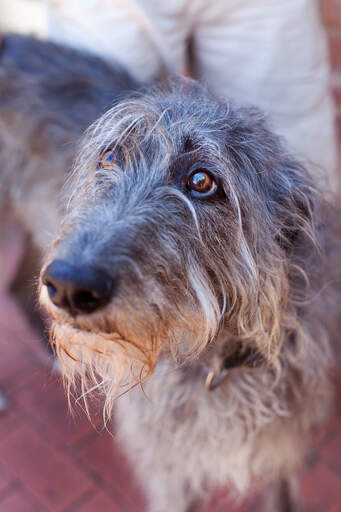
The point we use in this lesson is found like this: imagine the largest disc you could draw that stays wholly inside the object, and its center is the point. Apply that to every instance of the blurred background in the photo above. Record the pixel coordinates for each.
(50, 461)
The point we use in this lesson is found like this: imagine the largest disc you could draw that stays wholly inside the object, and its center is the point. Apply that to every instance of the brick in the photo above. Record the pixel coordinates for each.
(331, 12)
(331, 455)
(11, 250)
(9, 420)
(337, 386)
(222, 500)
(6, 478)
(48, 474)
(43, 398)
(336, 88)
(330, 431)
(334, 40)
(19, 500)
(321, 489)
(101, 502)
(335, 508)
(18, 346)
(105, 458)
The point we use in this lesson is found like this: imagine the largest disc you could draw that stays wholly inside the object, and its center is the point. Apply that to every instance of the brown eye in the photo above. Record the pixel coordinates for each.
(108, 159)
(201, 182)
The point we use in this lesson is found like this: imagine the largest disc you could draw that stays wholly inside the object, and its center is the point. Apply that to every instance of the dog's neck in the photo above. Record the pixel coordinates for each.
(226, 354)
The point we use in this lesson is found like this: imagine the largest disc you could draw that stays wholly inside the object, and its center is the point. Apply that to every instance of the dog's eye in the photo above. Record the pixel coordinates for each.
(108, 159)
(201, 183)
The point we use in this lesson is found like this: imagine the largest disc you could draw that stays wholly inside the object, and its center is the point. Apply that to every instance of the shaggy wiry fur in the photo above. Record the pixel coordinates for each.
(196, 279)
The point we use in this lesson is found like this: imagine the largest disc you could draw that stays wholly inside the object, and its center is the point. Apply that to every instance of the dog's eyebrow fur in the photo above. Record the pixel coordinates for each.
(188, 144)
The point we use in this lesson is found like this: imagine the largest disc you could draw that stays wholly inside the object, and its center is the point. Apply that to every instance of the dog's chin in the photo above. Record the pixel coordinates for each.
(99, 361)
(76, 338)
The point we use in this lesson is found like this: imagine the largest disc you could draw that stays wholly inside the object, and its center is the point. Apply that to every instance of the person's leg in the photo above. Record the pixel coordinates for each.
(113, 29)
(273, 54)
(172, 21)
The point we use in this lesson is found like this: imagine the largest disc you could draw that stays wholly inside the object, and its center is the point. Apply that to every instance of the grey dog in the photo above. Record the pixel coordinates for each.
(187, 273)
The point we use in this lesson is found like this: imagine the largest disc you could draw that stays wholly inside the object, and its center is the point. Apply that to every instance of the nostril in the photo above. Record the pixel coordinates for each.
(57, 292)
(52, 290)
(86, 301)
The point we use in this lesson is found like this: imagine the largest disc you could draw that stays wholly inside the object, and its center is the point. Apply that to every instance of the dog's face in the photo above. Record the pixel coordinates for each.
(182, 220)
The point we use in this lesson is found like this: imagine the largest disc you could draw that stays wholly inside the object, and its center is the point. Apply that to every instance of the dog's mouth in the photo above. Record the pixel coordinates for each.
(73, 339)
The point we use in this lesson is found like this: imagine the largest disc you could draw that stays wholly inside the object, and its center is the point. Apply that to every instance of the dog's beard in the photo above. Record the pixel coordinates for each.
(101, 361)
(111, 353)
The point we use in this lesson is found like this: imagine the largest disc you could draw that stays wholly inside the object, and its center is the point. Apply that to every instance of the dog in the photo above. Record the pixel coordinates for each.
(188, 275)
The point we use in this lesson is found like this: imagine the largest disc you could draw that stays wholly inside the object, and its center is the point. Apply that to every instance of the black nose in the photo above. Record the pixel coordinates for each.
(77, 288)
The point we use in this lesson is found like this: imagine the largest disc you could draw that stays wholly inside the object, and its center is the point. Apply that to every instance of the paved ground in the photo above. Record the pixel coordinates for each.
(50, 462)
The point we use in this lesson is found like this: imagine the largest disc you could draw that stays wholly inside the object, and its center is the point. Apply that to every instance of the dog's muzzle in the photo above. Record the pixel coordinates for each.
(78, 289)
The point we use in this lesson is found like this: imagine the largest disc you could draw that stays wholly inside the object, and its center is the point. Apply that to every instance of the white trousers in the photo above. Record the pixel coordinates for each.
(269, 53)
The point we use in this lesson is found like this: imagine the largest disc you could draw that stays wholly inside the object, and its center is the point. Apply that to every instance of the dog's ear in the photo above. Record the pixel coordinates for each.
(288, 243)
(294, 210)
(280, 184)
(279, 211)
(297, 204)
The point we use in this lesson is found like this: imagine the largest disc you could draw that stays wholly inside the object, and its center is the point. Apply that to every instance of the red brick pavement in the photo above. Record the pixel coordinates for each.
(51, 462)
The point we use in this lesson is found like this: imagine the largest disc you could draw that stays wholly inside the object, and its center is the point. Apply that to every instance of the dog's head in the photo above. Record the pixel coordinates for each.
(186, 219)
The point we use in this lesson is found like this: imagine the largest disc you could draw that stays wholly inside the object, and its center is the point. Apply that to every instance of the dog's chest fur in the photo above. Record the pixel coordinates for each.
(245, 430)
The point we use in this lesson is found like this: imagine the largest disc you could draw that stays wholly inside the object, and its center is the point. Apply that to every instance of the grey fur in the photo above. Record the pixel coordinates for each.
(196, 279)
